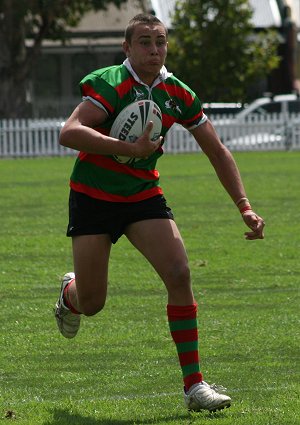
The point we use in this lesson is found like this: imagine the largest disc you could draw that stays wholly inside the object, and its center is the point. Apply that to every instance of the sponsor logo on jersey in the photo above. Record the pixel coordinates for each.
(138, 94)
(171, 104)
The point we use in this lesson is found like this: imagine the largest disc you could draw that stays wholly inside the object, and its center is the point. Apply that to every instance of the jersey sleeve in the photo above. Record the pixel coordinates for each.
(100, 92)
(187, 103)
(197, 116)
(193, 114)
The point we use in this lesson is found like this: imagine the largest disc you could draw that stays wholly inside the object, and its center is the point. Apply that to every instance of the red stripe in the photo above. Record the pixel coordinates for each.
(123, 88)
(178, 91)
(246, 208)
(194, 118)
(186, 335)
(194, 378)
(109, 164)
(181, 312)
(88, 90)
(105, 196)
(168, 120)
(67, 300)
(188, 358)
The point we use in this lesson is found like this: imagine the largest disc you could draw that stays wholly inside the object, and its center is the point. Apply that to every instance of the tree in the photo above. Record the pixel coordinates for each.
(37, 20)
(214, 48)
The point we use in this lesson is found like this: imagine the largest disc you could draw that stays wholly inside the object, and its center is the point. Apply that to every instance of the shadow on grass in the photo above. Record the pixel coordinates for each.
(63, 417)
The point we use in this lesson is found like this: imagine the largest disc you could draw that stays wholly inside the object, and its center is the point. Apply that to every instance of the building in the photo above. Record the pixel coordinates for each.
(280, 15)
(97, 42)
(295, 16)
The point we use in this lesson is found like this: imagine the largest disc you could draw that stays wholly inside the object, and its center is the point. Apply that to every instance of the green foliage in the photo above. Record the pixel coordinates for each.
(56, 14)
(214, 49)
(37, 20)
(122, 367)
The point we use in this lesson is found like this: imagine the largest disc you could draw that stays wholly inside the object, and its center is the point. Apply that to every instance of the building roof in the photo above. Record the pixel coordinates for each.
(104, 28)
(113, 19)
(266, 13)
(163, 10)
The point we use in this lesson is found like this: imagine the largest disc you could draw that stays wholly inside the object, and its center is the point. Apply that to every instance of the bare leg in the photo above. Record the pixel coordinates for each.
(160, 242)
(91, 257)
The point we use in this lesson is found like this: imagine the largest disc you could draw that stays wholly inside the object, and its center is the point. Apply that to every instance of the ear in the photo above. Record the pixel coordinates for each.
(126, 48)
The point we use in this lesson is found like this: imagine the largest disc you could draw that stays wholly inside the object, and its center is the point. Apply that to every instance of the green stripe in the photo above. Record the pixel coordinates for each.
(184, 347)
(181, 325)
(190, 369)
(110, 181)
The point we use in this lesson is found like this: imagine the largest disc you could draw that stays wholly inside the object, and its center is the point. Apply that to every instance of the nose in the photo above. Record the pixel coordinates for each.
(154, 49)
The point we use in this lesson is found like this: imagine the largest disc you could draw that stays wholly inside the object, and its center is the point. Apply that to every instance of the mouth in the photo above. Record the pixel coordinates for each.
(154, 63)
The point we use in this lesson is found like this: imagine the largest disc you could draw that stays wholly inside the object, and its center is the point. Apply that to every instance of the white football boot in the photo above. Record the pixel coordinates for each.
(203, 396)
(68, 323)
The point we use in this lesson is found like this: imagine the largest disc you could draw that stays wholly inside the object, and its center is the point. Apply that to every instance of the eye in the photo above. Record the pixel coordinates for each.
(145, 43)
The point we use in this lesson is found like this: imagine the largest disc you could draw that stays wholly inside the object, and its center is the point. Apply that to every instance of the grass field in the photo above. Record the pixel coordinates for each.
(122, 369)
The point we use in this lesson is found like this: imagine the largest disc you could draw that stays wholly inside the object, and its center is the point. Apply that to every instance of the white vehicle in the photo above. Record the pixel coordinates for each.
(266, 123)
(222, 108)
(281, 104)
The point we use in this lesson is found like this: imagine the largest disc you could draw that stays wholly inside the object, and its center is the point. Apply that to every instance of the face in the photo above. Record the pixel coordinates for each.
(147, 51)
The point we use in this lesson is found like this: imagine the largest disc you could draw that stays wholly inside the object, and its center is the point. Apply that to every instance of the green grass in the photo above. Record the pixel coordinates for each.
(122, 367)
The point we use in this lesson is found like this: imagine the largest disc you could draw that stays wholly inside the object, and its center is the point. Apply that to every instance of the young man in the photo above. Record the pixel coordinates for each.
(108, 199)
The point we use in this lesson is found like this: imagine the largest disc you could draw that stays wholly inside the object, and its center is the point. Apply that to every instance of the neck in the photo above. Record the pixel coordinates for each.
(145, 79)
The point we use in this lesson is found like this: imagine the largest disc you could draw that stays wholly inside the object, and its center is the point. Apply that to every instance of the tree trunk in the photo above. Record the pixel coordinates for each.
(13, 99)
(13, 63)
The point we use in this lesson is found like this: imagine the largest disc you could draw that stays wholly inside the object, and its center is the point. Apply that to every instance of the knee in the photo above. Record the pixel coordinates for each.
(91, 306)
(178, 275)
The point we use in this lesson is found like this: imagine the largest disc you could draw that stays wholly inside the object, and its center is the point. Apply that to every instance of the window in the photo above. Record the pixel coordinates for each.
(269, 108)
(46, 81)
(81, 65)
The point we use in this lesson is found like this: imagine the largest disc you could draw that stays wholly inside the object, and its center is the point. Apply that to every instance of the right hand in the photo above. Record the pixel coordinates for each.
(143, 147)
(256, 224)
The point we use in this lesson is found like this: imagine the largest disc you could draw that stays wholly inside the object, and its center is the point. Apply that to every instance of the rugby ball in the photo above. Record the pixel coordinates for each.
(131, 122)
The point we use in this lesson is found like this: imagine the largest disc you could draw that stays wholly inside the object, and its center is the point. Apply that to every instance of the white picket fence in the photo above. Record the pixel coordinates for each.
(259, 133)
(31, 138)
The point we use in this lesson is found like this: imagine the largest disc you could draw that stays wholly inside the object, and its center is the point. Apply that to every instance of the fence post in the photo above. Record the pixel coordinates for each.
(39, 137)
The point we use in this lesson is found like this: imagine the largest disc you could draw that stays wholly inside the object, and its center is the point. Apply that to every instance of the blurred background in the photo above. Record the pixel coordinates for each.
(238, 49)
(235, 54)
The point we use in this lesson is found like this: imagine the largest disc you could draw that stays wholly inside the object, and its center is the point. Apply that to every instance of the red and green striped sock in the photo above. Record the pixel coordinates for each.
(184, 331)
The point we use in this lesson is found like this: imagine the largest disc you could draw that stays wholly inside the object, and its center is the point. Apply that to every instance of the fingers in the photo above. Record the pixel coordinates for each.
(256, 224)
(254, 235)
(148, 128)
(158, 141)
(144, 145)
(147, 131)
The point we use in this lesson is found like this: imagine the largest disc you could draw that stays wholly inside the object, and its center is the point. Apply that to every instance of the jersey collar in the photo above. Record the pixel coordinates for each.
(163, 74)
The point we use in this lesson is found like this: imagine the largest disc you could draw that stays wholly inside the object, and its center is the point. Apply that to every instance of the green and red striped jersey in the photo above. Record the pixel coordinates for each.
(112, 89)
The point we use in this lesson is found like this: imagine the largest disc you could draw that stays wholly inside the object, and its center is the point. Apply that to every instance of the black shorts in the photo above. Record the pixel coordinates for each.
(89, 216)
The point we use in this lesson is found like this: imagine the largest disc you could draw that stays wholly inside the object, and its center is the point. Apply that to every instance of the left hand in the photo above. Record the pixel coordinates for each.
(143, 147)
(255, 223)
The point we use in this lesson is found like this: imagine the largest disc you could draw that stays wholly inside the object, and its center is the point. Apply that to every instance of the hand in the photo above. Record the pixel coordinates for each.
(143, 147)
(256, 224)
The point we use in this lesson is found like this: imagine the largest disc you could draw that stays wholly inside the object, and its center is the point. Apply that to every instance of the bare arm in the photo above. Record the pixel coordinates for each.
(78, 133)
(228, 174)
